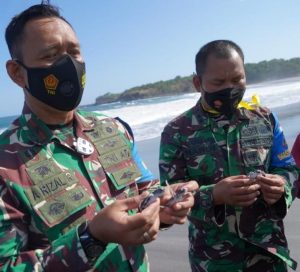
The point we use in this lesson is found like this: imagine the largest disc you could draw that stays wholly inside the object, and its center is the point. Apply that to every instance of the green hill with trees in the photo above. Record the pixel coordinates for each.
(255, 73)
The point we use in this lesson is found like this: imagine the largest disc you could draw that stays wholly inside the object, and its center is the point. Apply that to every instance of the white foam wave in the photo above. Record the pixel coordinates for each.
(141, 114)
(275, 95)
(148, 120)
(148, 117)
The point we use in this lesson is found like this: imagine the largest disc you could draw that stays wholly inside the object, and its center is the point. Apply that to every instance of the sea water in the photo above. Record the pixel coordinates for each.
(147, 117)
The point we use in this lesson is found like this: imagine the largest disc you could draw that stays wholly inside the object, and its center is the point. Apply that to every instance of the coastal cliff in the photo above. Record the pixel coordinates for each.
(255, 73)
(178, 85)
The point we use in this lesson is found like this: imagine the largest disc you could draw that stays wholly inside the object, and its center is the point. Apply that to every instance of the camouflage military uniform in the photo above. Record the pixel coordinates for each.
(296, 154)
(296, 150)
(48, 190)
(223, 237)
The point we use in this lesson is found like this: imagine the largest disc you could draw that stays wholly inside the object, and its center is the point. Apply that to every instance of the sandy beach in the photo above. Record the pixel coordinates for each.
(169, 252)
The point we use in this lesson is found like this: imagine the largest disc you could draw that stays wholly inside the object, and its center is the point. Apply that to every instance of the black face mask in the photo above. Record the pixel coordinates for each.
(59, 85)
(225, 101)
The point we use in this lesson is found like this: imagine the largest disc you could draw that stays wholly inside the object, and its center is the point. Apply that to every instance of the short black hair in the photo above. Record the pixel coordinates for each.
(220, 48)
(15, 30)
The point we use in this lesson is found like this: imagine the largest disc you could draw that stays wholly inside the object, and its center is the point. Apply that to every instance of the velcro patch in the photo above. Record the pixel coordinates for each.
(103, 131)
(43, 170)
(50, 187)
(115, 157)
(59, 207)
(109, 144)
(125, 176)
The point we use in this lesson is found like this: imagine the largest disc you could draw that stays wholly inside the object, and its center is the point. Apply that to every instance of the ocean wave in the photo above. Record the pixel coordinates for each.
(148, 117)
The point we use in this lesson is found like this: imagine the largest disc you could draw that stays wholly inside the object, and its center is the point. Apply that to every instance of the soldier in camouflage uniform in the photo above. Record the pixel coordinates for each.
(296, 154)
(296, 150)
(70, 180)
(236, 223)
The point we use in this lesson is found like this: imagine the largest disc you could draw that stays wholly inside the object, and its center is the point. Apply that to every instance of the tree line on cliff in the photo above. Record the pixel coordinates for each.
(255, 73)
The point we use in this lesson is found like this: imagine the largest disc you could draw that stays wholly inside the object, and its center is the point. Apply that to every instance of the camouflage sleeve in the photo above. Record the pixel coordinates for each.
(296, 150)
(283, 164)
(204, 208)
(172, 168)
(16, 242)
(296, 155)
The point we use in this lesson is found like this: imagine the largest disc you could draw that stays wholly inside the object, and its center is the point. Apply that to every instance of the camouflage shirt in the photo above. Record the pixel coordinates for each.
(197, 146)
(48, 190)
(296, 154)
(296, 150)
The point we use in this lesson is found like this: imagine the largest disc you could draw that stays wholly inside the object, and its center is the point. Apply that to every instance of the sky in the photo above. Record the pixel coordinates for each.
(128, 43)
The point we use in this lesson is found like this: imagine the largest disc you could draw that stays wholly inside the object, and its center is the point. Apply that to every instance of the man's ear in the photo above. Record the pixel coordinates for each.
(197, 83)
(16, 72)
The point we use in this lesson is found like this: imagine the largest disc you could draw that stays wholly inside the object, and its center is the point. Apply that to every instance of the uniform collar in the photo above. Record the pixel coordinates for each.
(202, 119)
(40, 134)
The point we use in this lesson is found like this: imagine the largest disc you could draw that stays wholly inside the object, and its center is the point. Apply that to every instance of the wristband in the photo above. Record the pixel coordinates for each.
(92, 247)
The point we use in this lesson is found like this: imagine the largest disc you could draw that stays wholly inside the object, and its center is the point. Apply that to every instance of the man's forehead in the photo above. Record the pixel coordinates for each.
(220, 67)
(40, 24)
(231, 54)
(43, 34)
(48, 31)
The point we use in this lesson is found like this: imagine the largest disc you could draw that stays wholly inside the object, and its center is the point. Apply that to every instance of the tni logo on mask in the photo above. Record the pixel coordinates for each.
(51, 83)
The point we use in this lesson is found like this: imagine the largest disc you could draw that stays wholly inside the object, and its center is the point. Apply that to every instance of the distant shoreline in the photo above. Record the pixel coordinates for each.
(177, 86)
(256, 73)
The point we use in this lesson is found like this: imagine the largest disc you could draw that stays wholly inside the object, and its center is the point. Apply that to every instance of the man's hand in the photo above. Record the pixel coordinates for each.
(177, 213)
(272, 187)
(113, 224)
(236, 191)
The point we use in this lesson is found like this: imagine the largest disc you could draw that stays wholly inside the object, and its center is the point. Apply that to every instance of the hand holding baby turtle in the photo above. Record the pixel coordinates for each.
(254, 174)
